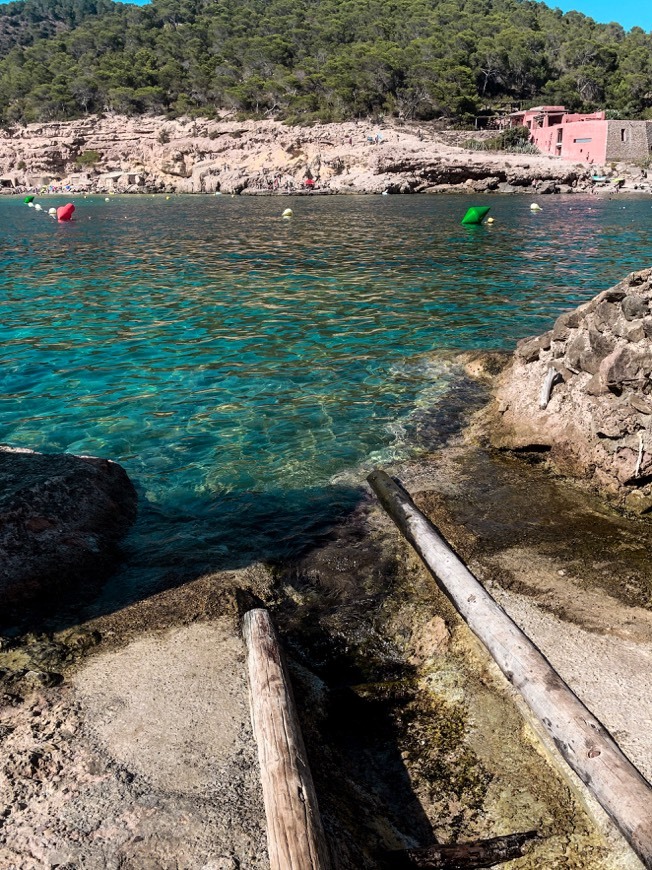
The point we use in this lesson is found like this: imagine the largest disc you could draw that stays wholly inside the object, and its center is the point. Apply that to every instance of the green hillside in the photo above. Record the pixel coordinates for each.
(25, 22)
(332, 59)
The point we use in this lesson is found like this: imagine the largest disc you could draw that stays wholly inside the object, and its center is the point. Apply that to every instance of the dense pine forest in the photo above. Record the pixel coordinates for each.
(314, 59)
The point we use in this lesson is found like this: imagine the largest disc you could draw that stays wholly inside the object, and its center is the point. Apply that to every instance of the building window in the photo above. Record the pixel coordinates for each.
(588, 139)
(623, 134)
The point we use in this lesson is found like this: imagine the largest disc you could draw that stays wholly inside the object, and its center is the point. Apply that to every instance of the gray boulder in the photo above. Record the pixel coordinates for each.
(597, 424)
(61, 518)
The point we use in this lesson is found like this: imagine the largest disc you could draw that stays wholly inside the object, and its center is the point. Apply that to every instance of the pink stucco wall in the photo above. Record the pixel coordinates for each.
(581, 141)
(586, 138)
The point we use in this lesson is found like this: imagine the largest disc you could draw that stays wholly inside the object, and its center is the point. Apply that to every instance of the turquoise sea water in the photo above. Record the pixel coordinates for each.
(238, 364)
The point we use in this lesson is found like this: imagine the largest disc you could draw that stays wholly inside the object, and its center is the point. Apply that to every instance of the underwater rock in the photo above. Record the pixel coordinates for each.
(61, 517)
(597, 424)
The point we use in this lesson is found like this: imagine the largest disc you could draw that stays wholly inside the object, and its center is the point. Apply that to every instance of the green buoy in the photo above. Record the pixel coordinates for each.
(29, 198)
(476, 214)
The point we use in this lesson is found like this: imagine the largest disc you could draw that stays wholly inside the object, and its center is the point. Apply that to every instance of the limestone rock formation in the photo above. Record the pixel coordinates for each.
(156, 154)
(61, 517)
(598, 422)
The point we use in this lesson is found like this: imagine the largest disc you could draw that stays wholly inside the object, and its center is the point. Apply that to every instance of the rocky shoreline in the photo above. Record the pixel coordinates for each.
(158, 155)
(63, 517)
(142, 755)
(126, 739)
(580, 395)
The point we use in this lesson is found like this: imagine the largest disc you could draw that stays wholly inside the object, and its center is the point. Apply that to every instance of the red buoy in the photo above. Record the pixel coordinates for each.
(64, 212)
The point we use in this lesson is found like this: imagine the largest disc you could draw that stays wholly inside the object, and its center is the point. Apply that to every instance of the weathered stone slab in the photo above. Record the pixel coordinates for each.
(599, 346)
(61, 518)
(634, 307)
(528, 349)
(597, 421)
(625, 364)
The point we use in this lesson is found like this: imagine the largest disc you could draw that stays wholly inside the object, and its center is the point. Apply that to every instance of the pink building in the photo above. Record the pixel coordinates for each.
(585, 138)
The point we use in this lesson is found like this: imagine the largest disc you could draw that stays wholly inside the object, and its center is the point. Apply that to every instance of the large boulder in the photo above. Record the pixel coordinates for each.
(61, 518)
(598, 422)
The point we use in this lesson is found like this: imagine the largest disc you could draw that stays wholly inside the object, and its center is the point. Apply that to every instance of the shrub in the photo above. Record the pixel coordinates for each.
(511, 139)
(89, 158)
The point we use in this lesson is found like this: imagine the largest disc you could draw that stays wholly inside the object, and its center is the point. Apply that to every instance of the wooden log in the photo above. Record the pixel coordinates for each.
(546, 388)
(295, 835)
(582, 740)
(469, 856)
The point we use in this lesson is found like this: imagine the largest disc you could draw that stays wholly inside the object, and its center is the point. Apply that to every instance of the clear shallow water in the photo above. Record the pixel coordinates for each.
(236, 363)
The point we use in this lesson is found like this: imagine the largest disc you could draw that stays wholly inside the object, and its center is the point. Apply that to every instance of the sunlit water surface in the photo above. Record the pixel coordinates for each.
(242, 367)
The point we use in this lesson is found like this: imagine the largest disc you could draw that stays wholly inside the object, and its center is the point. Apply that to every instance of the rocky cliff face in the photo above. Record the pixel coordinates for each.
(158, 155)
(61, 517)
(598, 422)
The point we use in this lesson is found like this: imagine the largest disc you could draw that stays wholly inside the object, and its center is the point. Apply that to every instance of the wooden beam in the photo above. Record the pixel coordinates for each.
(546, 388)
(582, 740)
(295, 836)
(469, 856)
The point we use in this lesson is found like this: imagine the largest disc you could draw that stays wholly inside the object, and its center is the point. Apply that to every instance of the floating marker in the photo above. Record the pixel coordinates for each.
(64, 212)
(535, 207)
(490, 220)
(38, 207)
(30, 205)
(476, 214)
(29, 198)
(287, 213)
(52, 211)
(106, 199)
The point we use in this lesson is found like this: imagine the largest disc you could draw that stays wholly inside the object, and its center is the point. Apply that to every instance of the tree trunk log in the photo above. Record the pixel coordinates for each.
(295, 835)
(546, 388)
(470, 856)
(582, 740)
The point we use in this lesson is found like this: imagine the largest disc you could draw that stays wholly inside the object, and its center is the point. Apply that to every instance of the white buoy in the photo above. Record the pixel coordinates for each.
(52, 211)
(287, 213)
(30, 205)
(535, 207)
(38, 207)
(489, 220)
(106, 199)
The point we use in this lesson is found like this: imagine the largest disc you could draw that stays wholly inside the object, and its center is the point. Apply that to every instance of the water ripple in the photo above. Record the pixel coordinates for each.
(228, 357)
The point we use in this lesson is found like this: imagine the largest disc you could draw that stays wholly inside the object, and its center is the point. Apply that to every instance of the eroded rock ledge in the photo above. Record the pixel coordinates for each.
(156, 155)
(61, 517)
(598, 422)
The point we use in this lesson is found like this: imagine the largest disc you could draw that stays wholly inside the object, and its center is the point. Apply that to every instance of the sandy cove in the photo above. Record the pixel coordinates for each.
(157, 155)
